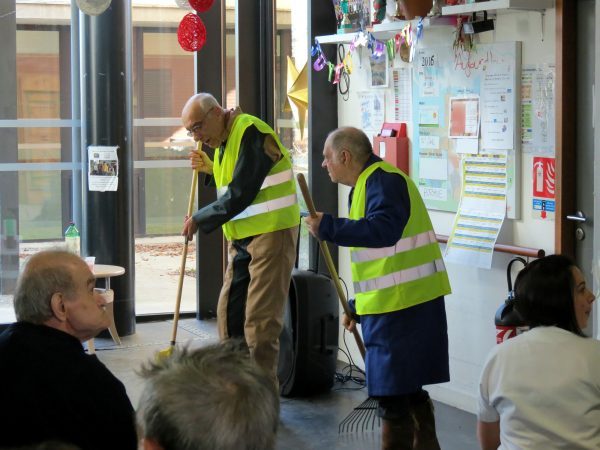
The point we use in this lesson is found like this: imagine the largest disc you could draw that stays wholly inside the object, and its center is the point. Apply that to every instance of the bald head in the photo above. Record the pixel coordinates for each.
(353, 140)
(198, 105)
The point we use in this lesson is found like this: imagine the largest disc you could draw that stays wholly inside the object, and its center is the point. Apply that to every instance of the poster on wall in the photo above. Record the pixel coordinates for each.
(499, 106)
(402, 94)
(372, 112)
(103, 168)
(544, 188)
(537, 109)
(481, 212)
(443, 79)
(464, 117)
(379, 71)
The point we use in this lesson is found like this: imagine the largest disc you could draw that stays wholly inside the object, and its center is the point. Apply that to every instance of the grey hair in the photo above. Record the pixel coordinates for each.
(44, 274)
(204, 100)
(213, 398)
(353, 140)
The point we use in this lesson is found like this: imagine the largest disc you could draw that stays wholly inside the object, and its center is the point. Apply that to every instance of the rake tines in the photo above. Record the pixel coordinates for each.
(360, 417)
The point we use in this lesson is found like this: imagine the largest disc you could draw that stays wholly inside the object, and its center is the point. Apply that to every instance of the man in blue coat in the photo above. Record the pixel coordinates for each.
(399, 281)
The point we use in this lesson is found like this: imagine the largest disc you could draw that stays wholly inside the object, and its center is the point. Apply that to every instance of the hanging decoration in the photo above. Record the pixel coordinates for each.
(191, 33)
(201, 5)
(184, 4)
(462, 41)
(415, 8)
(93, 7)
(378, 10)
(297, 93)
(404, 43)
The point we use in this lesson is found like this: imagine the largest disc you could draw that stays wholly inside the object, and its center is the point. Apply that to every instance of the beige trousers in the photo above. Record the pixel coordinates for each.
(272, 257)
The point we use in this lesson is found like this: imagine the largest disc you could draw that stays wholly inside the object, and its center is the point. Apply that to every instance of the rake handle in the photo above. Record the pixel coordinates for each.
(184, 257)
(330, 265)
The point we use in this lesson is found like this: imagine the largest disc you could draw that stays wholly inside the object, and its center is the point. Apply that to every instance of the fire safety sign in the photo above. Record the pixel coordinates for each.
(544, 188)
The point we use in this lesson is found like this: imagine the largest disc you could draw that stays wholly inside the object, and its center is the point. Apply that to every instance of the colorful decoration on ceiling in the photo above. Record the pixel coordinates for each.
(93, 7)
(297, 93)
(408, 38)
(191, 32)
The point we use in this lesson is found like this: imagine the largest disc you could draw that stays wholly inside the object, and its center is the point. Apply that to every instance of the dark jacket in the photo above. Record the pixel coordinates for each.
(51, 389)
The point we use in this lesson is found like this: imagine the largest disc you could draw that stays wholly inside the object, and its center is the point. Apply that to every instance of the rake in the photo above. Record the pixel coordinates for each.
(361, 417)
(365, 413)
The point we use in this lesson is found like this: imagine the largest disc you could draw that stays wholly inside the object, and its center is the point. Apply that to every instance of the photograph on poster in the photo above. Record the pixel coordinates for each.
(379, 71)
(464, 117)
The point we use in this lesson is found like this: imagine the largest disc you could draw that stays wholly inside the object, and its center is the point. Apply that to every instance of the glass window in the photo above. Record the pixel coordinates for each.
(230, 56)
(163, 80)
(291, 46)
(36, 130)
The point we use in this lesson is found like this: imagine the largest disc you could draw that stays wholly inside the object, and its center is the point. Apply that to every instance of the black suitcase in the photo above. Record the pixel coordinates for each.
(309, 339)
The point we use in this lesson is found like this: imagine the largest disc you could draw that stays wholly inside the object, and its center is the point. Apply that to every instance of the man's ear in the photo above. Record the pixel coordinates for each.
(346, 156)
(57, 304)
(151, 444)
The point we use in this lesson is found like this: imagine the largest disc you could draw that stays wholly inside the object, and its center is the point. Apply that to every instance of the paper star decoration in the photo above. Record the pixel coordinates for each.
(297, 93)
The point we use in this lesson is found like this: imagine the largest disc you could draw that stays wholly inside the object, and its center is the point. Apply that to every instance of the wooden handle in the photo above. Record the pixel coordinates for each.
(190, 210)
(329, 262)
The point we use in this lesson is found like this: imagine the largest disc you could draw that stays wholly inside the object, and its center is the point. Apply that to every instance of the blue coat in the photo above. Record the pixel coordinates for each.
(406, 349)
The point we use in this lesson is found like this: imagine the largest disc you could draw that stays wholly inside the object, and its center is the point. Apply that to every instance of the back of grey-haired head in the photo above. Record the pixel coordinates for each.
(353, 140)
(213, 398)
(44, 274)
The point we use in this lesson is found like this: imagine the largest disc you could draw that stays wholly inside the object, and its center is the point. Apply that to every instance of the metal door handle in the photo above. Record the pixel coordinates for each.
(577, 217)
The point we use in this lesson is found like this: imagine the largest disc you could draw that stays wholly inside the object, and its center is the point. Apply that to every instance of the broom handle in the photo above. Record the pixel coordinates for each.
(184, 257)
(330, 265)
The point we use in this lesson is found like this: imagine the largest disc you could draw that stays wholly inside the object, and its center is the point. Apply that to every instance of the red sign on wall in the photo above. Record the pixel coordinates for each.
(543, 177)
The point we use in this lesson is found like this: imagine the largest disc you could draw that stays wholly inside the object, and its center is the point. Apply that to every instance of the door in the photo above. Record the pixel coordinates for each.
(587, 146)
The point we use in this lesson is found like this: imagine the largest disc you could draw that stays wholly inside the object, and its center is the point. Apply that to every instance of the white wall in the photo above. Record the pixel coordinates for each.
(477, 293)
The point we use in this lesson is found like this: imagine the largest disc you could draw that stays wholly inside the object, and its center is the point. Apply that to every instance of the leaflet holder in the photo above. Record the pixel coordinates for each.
(391, 145)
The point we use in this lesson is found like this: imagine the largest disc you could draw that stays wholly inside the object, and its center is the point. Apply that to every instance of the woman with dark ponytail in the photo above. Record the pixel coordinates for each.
(541, 389)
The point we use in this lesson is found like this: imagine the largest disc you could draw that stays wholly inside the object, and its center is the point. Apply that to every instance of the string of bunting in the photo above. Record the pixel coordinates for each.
(408, 36)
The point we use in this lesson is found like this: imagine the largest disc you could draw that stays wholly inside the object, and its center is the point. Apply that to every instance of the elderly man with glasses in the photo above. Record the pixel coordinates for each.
(257, 208)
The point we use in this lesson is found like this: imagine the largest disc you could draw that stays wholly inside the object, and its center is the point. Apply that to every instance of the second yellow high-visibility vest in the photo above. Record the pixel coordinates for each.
(276, 205)
(406, 274)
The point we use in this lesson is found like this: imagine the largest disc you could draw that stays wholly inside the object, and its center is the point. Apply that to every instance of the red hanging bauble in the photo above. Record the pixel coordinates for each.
(191, 33)
(201, 5)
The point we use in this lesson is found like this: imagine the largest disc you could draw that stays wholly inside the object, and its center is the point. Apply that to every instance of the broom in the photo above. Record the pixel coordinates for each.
(363, 414)
(168, 351)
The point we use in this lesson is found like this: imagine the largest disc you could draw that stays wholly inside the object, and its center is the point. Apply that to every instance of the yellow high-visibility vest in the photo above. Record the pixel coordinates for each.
(405, 274)
(276, 205)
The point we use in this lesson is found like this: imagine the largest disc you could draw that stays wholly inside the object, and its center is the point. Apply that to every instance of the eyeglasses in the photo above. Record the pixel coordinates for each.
(198, 125)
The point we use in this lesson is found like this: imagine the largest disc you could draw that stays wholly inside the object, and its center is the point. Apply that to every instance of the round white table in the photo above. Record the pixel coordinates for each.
(106, 271)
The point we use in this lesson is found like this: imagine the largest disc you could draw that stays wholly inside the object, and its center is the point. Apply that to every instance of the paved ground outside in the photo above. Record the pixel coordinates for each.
(157, 264)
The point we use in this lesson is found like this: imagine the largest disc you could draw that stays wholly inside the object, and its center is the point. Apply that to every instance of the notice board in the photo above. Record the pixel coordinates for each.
(484, 82)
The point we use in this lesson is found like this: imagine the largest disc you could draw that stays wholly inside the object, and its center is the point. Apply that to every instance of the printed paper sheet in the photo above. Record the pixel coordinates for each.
(103, 168)
(481, 212)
